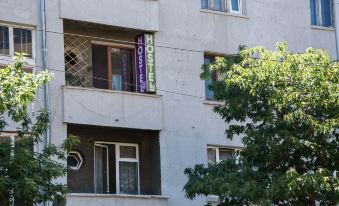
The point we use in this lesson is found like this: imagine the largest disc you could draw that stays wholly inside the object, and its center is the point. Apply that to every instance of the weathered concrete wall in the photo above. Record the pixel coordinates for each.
(188, 123)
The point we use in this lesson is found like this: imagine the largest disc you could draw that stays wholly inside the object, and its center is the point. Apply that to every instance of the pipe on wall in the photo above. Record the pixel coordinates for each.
(336, 25)
(45, 66)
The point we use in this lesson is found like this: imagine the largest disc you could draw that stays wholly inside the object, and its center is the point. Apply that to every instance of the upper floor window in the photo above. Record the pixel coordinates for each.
(235, 6)
(322, 13)
(209, 94)
(4, 40)
(232, 6)
(16, 40)
(218, 154)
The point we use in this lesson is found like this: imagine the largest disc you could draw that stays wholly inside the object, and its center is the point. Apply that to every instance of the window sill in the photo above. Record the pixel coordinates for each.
(213, 102)
(224, 13)
(322, 28)
(8, 59)
(118, 195)
(113, 91)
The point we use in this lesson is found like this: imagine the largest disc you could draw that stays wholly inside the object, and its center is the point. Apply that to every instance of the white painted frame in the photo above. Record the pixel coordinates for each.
(7, 59)
(117, 145)
(12, 138)
(78, 157)
(217, 150)
(239, 5)
(319, 13)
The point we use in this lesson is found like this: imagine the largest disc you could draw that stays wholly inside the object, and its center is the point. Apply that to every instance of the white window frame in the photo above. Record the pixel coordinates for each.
(78, 157)
(319, 14)
(12, 136)
(117, 145)
(239, 5)
(217, 151)
(7, 59)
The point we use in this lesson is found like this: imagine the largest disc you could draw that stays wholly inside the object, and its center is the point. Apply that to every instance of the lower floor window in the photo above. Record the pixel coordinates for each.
(218, 154)
(116, 167)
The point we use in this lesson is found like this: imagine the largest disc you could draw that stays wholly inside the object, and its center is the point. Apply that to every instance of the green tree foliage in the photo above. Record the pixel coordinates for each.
(27, 177)
(285, 106)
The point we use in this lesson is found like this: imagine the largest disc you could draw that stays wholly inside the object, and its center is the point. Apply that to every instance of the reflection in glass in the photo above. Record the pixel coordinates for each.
(128, 172)
(23, 41)
(122, 69)
(4, 40)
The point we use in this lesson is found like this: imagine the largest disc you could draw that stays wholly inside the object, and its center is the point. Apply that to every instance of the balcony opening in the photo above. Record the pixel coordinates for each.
(103, 57)
(115, 161)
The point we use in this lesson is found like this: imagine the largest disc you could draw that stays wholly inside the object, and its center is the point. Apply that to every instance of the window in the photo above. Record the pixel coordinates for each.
(4, 40)
(115, 64)
(232, 6)
(13, 39)
(235, 7)
(122, 69)
(322, 13)
(74, 160)
(208, 59)
(216, 154)
(217, 5)
(116, 160)
(22, 41)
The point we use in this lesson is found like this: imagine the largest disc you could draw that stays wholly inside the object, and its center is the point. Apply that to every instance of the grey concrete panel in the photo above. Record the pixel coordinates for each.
(113, 109)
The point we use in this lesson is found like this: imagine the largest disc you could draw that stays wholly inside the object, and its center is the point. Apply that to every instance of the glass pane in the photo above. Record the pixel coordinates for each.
(23, 41)
(211, 156)
(122, 69)
(235, 5)
(326, 12)
(314, 15)
(128, 152)
(225, 154)
(217, 5)
(128, 172)
(101, 170)
(209, 94)
(4, 40)
(72, 161)
(204, 4)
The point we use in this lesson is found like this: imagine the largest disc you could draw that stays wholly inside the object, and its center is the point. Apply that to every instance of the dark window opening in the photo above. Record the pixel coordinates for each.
(4, 40)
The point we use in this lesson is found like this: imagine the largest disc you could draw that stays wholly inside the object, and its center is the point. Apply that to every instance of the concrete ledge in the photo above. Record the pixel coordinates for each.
(213, 103)
(82, 199)
(322, 28)
(109, 108)
(224, 13)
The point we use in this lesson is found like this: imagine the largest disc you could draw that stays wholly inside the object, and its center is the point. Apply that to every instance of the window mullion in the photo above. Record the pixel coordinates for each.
(117, 169)
(217, 158)
(320, 15)
(11, 41)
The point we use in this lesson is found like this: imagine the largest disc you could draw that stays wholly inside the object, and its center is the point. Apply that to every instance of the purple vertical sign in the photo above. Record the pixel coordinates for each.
(141, 64)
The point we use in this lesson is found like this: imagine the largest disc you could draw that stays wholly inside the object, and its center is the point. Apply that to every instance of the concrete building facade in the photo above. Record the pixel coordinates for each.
(136, 144)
